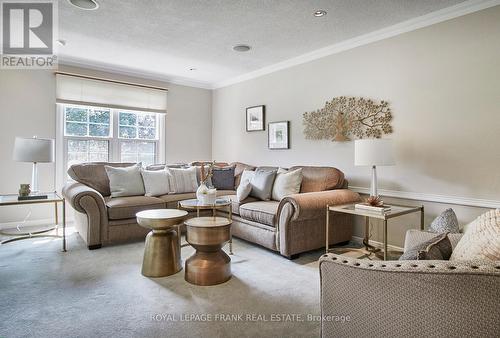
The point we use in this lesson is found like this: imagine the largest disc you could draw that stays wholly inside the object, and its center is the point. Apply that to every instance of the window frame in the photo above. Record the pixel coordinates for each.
(114, 141)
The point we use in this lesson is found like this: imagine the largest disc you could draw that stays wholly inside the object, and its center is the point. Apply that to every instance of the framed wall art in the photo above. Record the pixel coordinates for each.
(256, 118)
(279, 135)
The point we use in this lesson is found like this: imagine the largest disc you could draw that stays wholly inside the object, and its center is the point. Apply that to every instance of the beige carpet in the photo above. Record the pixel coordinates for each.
(82, 293)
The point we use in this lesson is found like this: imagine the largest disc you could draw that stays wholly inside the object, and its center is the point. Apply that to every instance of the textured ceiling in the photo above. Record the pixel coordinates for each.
(167, 38)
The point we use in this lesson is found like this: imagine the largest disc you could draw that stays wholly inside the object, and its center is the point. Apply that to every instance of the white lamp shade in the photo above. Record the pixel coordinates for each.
(33, 150)
(372, 152)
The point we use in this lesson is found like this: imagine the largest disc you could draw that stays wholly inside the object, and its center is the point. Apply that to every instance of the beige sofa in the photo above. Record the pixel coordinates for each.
(291, 226)
(361, 298)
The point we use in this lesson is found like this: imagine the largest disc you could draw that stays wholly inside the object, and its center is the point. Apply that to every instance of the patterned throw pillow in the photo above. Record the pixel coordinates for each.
(481, 240)
(183, 180)
(446, 222)
(437, 248)
(223, 178)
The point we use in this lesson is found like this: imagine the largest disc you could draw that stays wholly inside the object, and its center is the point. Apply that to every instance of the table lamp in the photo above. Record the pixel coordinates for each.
(373, 152)
(34, 150)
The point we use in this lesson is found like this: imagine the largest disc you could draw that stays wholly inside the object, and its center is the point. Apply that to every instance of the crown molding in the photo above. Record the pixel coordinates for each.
(444, 14)
(82, 63)
(416, 196)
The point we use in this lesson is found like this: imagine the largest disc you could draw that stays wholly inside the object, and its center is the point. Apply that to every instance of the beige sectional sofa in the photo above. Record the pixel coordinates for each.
(291, 226)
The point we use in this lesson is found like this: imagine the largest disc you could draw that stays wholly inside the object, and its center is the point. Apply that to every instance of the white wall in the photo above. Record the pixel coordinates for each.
(443, 84)
(27, 108)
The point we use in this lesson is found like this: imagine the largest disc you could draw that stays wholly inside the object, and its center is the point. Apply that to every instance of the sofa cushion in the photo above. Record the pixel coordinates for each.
(235, 204)
(261, 212)
(177, 197)
(94, 175)
(320, 178)
(127, 207)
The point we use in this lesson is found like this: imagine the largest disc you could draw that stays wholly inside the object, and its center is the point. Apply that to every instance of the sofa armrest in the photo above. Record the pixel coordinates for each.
(400, 298)
(73, 192)
(313, 204)
(414, 237)
(89, 202)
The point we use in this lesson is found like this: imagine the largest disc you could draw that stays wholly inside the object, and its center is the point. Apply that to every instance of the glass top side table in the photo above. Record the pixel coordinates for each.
(220, 204)
(18, 234)
(396, 211)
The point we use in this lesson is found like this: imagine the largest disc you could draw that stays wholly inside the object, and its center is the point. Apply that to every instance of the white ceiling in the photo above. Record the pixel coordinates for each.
(166, 38)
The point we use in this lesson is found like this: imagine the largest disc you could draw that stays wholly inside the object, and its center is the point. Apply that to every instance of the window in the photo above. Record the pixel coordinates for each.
(93, 134)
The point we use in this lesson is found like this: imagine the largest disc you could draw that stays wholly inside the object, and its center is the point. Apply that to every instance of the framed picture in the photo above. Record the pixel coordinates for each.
(256, 118)
(278, 135)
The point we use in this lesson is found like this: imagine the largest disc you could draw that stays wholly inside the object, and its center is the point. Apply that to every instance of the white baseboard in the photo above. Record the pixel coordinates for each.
(359, 240)
(465, 201)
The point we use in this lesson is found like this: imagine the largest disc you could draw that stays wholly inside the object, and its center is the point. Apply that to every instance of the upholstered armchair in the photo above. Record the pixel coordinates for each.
(361, 298)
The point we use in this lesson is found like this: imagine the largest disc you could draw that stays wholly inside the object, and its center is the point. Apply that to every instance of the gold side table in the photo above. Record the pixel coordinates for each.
(209, 265)
(162, 252)
(396, 211)
(18, 234)
(220, 204)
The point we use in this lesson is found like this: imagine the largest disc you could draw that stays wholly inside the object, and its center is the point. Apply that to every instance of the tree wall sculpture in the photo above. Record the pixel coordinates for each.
(345, 117)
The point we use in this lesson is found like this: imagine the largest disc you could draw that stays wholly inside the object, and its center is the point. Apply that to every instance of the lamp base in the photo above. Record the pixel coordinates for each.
(373, 187)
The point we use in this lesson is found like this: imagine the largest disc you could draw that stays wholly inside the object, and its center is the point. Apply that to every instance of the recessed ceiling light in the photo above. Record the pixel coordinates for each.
(191, 69)
(61, 42)
(319, 13)
(88, 5)
(241, 48)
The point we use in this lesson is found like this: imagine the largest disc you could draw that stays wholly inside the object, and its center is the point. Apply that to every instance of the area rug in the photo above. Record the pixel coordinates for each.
(47, 293)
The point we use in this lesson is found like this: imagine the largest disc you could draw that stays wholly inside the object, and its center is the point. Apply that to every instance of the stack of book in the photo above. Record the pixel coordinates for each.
(367, 207)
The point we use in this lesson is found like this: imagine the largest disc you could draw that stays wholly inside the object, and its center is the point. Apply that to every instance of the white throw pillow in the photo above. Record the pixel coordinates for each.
(247, 176)
(183, 180)
(286, 183)
(243, 190)
(481, 240)
(156, 182)
(126, 181)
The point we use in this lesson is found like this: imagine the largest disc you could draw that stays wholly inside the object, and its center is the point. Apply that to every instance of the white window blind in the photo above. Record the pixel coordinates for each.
(82, 90)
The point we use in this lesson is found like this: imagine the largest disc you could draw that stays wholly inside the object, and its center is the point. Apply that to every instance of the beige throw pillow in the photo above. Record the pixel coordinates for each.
(125, 181)
(156, 182)
(481, 240)
(183, 180)
(286, 183)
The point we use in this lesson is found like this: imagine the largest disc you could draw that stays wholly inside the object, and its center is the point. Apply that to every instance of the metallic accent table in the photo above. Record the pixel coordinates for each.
(162, 252)
(209, 265)
(220, 204)
(396, 211)
(52, 197)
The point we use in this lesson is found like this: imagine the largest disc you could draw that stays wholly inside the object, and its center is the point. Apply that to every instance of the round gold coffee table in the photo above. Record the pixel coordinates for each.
(220, 204)
(209, 265)
(162, 253)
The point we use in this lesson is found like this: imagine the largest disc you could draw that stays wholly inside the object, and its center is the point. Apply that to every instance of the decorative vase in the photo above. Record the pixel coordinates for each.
(202, 190)
(24, 190)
